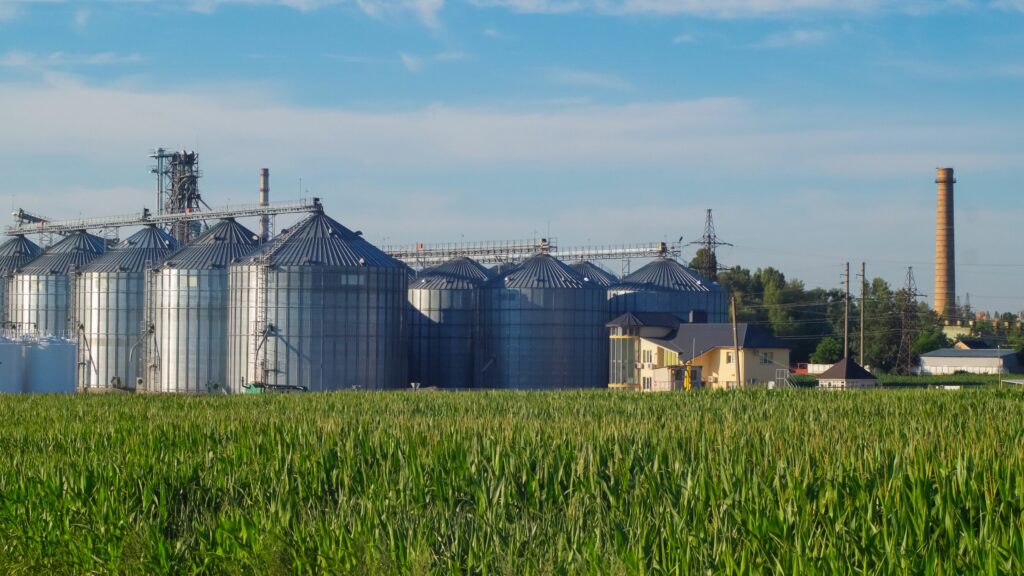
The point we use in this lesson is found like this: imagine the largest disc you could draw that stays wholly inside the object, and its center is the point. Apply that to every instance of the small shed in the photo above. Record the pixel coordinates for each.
(953, 360)
(846, 374)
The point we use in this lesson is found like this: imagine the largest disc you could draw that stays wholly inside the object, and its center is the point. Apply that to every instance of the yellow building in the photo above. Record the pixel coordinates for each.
(649, 352)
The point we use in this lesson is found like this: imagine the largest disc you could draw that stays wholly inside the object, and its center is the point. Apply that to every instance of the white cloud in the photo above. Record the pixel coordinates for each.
(1010, 5)
(81, 18)
(426, 10)
(706, 134)
(793, 38)
(20, 59)
(684, 39)
(723, 8)
(411, 63)
(8, 11)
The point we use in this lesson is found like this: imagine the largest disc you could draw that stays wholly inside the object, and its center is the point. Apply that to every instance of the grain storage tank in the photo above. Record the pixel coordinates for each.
(49, 364)
(39, 295)
(543, 327)
(110, 296)
(11, 369)
(594, 273)
(665, 285)
(443, 324)
(15, 253)
(318, 307)
(189, 308)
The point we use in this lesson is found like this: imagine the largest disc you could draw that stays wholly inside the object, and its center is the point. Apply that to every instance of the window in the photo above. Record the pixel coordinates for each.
(728, 357)
(767, 358)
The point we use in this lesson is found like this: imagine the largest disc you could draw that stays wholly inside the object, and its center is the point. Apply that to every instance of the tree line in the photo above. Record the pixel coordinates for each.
(898, 327)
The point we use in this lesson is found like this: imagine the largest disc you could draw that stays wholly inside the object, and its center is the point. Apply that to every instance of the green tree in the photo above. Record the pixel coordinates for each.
(928, 340)
(829, 351)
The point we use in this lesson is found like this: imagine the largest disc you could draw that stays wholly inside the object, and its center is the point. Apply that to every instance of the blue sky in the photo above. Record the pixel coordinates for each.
(811, 127)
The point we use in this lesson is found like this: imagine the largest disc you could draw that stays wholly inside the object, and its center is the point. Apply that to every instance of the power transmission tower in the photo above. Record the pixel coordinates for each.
(707, 261)
(908, 323)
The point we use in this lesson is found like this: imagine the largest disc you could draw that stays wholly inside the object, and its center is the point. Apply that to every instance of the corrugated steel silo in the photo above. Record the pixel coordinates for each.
(318, 307)
(444, 322)
(543, 327)
(15, 253)
(110, 300)
(39, 295)
(596, 274)
(665, 285)
(189, 302)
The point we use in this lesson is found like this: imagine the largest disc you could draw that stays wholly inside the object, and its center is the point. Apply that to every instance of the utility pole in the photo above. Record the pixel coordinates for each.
(846, 317)
(736, 345)
(863, 300)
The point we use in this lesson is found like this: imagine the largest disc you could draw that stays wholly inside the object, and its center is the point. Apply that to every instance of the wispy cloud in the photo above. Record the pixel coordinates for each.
(1010, 5)
(8, 11)
(19, 59)
(793, 38)
(411, 63)
(426, 10)
(588, 79)
(724, 8)
(684, 39)
(81, 18)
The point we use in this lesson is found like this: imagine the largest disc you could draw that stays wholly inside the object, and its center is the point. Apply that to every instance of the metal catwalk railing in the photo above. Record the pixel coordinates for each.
(26, 225)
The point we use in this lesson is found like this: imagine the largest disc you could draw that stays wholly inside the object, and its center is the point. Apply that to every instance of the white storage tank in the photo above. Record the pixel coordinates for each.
(11, 370)
(49, 365)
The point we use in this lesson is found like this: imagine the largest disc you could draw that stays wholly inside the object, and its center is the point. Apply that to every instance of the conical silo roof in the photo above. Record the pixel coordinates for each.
(17, 252)
(595, 273)
(543, 271)
(146, 248)
(321, 241)
(457, 274)
(75, 251)
(667, 274)
(223, 244)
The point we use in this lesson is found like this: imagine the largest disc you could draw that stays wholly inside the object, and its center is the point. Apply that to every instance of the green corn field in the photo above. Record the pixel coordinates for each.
(750, 482)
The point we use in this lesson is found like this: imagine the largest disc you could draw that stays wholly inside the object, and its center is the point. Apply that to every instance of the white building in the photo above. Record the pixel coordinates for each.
(952, 360)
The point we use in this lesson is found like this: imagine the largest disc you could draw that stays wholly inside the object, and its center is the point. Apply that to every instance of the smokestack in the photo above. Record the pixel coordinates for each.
(264, 201)
(945, 265)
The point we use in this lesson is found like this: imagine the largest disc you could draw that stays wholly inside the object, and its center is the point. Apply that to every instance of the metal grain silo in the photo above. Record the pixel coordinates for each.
(110, 300)
(443, 323)
(15, 253)
(665, 285)
(594, 273)
(543, 327)
(319, 307)
(188, 299)
(39, 295)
